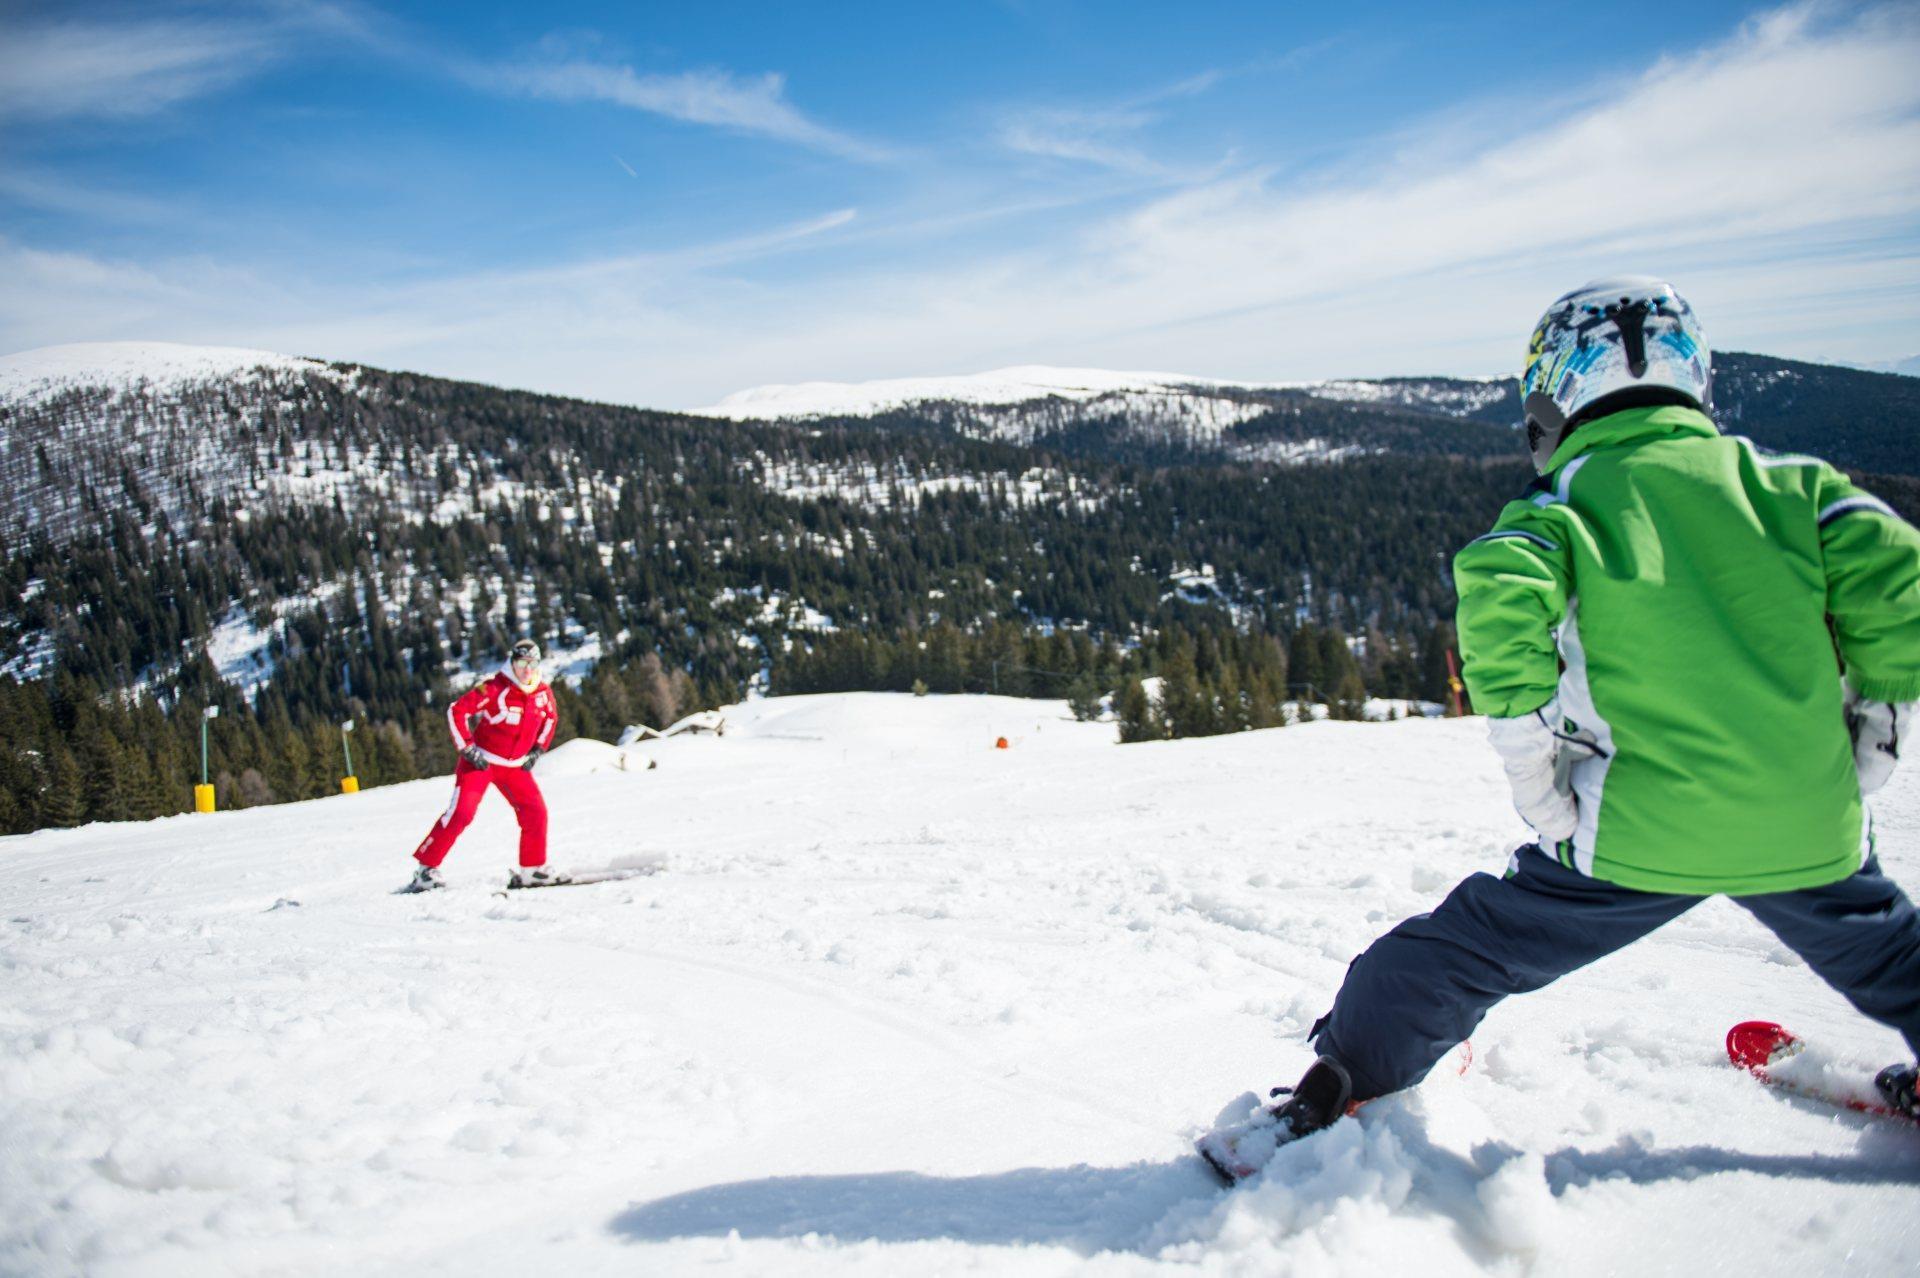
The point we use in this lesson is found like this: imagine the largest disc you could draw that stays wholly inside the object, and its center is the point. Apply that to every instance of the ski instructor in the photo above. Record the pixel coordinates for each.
(500, 727)
(1698, 659)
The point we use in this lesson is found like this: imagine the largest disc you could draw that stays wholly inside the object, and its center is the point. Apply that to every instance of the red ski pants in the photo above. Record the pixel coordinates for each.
(469, 785)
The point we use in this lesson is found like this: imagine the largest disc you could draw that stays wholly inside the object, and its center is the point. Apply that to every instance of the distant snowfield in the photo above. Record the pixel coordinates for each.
(900, 1002)
(1002, 386)
(1205, 402)
(31, 376)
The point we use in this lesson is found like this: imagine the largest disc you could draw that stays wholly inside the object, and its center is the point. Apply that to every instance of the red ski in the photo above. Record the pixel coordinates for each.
(1780, 1058)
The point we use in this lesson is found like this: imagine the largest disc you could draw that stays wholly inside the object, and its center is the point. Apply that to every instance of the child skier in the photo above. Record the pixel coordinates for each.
(515, 716)
(1653, 630)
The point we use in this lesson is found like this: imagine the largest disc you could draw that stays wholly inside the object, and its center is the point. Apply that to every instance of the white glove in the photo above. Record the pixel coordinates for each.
(1877, 729)
(1529, 746)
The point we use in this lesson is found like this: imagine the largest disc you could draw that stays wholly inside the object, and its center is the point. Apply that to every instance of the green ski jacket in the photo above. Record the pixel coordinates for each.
(1684, 594)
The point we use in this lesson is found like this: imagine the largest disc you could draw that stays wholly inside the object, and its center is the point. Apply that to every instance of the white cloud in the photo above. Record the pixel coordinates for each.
(117, 68)
(53, 193)
(1105, 135)
(1775, 177)
(1785, 131)
(1095, 137)
(78, 68)
(754, 105)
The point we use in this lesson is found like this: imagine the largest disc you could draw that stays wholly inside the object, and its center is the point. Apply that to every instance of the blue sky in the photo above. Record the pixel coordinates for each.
(660, 204)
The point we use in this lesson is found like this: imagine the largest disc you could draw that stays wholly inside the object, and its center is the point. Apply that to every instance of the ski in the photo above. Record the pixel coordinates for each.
(1780, 1058)
(582, 878)
(1239, 1150)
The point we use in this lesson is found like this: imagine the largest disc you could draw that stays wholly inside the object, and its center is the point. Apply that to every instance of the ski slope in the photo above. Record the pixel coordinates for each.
(900, 1002)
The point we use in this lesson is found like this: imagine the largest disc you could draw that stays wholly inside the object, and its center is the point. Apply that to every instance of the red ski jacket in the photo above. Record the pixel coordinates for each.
(506, 719)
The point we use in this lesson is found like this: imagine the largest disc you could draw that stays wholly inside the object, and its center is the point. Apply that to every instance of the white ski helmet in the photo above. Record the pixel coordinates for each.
(1612, 344)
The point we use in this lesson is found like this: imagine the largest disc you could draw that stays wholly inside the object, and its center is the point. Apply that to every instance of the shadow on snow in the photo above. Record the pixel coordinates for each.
(1088, 1209)
(1094, 1209)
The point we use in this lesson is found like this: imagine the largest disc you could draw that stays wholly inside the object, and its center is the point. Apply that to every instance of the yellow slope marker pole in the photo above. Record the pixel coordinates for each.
(203, 793)
(349, 784)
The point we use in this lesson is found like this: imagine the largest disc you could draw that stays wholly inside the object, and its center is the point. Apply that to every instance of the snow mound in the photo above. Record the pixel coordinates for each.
(36, 375)
(1000, 387)
(582, 757)
(890, 722)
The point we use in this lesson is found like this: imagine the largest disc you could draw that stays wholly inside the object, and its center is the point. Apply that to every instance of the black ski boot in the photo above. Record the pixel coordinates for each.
(1900, 1085)
(1317, 1101)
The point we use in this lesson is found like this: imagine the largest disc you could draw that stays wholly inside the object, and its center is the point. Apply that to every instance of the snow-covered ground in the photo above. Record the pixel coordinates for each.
(901, 1002)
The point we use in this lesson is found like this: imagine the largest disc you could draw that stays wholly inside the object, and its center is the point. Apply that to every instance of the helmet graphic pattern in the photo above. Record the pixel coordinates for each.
(1629, 333)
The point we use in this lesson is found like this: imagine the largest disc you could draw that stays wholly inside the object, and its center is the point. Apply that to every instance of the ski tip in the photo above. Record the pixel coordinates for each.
(1218, 1169)
(1752, 1044)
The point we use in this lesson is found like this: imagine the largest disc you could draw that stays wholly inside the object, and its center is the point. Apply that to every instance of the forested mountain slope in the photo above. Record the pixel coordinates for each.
(304, 542)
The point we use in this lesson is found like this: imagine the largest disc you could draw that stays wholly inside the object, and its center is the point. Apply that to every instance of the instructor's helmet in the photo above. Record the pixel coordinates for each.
(525, 659)
(1627, 342)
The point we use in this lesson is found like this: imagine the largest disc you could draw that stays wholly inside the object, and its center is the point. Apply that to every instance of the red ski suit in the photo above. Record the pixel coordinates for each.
(506, 719)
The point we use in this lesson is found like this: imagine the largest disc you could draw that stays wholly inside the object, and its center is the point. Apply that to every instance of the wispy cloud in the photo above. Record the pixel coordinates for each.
(1101, 137)
(618, 313)
(1106, 135)
(754, 105)
(1111, 135)
(120, 67)
(1733, 145)
(53, 193)
(76, 68)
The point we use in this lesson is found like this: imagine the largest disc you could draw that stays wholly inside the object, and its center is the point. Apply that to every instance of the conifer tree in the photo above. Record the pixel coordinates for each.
(63, 803)
(1183, 707)
(1138, 722)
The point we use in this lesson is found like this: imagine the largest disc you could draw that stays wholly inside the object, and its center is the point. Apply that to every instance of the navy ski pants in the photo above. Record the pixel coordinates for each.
(1423, 987)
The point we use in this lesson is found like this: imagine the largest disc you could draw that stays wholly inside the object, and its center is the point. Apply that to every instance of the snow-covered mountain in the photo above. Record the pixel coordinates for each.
(98, 426)
(121, 368)
(899, 1003)
(1035, 403)
(1000, 388)
(1908, 367)
(1029, 384)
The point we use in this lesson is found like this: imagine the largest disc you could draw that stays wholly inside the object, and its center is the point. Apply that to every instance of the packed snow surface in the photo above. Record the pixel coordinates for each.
(900, 1002)
(1001, 386)
(31, 376)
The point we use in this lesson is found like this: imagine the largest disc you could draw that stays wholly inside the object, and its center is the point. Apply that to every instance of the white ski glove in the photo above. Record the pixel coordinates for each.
(1529, 748)
(1877, 729)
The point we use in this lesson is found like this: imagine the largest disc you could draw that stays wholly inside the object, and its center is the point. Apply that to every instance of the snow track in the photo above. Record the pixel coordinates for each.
(901, 1002)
